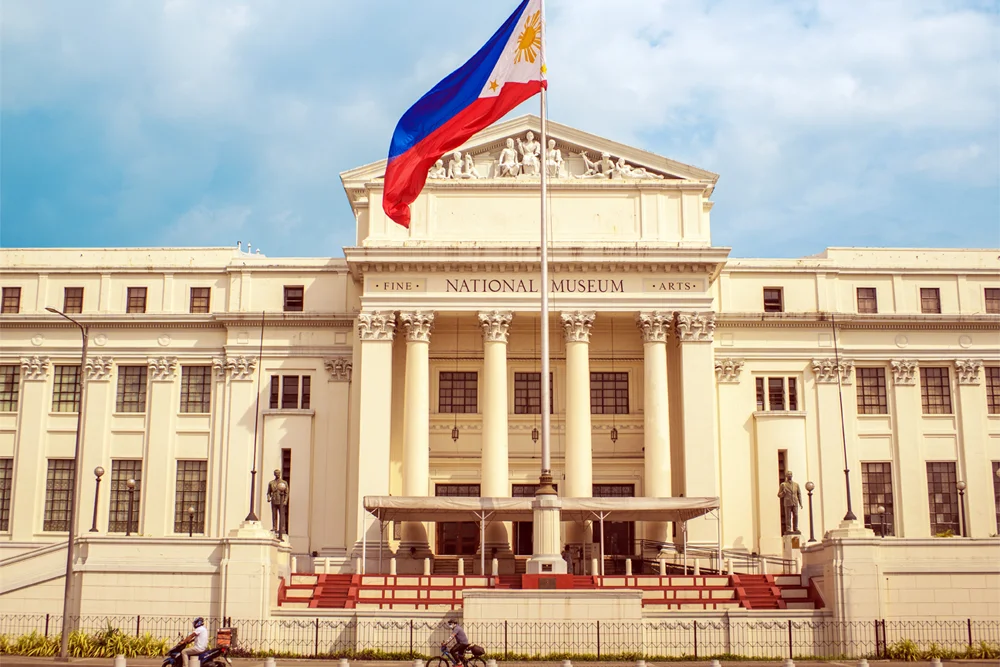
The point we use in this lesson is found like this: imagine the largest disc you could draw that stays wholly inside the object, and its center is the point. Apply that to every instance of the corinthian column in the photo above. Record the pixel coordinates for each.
(417, 325)
(579, 450)
(495, 470)
(654, 327)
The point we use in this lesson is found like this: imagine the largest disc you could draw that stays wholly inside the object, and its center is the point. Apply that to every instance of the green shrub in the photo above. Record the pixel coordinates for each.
(983, 651)
(905, 650)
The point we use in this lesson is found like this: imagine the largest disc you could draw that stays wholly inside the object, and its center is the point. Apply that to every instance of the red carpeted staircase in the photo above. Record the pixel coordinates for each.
(757, 591)
(335, 591)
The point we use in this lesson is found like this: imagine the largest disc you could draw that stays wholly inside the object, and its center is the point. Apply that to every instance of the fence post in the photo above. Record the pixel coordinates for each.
(696, 640)
(138, 620)
(789, 639)
(598, 639)
(969, 625)
(411, 639)
(316, 638)
(505, 640)
(46, 626)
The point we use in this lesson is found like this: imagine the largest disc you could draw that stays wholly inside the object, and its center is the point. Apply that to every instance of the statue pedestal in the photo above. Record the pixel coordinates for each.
(850, 529)
(547, 558)
(790, 550)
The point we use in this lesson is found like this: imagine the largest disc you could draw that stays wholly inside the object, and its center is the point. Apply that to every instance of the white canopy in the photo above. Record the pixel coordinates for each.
(450, 508)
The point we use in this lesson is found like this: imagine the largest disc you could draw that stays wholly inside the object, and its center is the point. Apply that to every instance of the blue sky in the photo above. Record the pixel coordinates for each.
(204, 122)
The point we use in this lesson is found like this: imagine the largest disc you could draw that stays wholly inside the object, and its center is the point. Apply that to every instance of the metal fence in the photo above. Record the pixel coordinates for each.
(651, 638)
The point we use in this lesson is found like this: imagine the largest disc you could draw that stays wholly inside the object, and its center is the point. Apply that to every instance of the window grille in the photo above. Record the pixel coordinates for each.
(136, 300)
(609, 393)
(992, 389)
(191, 490)
(132, 383)
(73, 300)
(942, 492)
(58, 490)
(10, 387)
(867, 300)
(201, 298)
(458, 392)
(121, 471)
(11, 300)
(528, 394)
(930, 300)
(992, 296)
(6, 476)
(66, 389)
(872, 392)
(935, 390)
(774, 301)
(196, 389)
(876, 490)
(294, 298)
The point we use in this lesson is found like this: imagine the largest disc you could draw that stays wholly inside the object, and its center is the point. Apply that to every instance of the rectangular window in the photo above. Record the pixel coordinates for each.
(136, 300)
(996, 491)
(73, 300)
(10, 387)
(528, 394)
(196, 389)
(190, 493)
(58, 489)
(992, 295)
(201, 298)
(876, 490)
(871, 391)
(609, 393)
(290, 392)
(930, 300)
(458, 392)
(773, 300)
(6, 475)
(66, 389)
(11, 300)
(460, 538)
(867, 300)
(992, 389)
(775, 394)
(294, 298)
(131, 389)
(122, 471)
(942, 493)
(935, 391)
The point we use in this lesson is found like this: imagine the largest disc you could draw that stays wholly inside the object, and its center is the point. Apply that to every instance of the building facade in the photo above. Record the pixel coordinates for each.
(411, 367)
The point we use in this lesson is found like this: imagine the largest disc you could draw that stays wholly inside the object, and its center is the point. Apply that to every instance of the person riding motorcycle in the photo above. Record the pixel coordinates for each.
(200, 639)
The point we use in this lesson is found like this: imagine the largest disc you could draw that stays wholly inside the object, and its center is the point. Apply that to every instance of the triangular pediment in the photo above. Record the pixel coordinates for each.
(581, 157)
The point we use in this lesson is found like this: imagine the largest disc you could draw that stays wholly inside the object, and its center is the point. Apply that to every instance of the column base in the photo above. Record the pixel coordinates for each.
(850, 529)
(253, 529)
(547, 558)
(415, 550)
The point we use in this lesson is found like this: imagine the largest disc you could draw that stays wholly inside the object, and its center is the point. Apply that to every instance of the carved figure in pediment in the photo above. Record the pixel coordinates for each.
(438, 170)
(553, 160)
(600, 169)
(470, 170)
(531, 151)
(508, 165)
(624, 170)
(455, 166)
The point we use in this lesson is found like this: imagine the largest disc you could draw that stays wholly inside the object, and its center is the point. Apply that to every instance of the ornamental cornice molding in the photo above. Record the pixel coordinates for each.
(341, 369)
(727, 370)
(654, 325)
(904, 371)
(826, 370)
(577, 325)
(99, 368)
(695, 327)
(162, 369)
(377, 325)
(34, 368)
(119, 322)
(968, 370)
(495, 325)
(240, 367)
(849, 321)
(417, 325)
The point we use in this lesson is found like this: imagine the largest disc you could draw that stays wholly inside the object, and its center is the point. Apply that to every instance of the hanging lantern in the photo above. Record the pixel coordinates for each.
(454, 433)
(614, 434)
(534, 434)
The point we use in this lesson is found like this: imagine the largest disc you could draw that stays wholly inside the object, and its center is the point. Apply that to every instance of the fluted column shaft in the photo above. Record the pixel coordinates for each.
(579, 449)
(495, 467)
(417, 326)
(654, 327)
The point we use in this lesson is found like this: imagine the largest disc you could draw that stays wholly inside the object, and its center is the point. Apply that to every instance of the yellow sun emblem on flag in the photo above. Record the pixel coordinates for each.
(529, 42)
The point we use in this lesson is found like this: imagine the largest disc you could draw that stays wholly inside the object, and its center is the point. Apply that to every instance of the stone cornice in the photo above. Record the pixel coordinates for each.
(849, 321)
(181, 321)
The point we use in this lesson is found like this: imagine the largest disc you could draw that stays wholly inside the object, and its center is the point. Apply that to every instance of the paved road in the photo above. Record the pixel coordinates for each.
(21, 661)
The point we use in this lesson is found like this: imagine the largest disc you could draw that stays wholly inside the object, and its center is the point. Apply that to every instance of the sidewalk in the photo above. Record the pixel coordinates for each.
(22, 661)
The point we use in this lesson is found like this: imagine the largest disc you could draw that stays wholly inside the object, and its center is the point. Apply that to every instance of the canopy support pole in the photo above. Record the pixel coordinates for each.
(381, 534)
(718, 516)
(364, 543)
(684, 530)
(601, 515)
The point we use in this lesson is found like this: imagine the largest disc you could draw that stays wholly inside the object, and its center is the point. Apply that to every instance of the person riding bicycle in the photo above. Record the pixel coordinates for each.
(200, 638)
(461, 641)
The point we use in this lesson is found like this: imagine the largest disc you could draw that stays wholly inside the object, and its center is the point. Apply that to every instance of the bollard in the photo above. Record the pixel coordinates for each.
(491, 663)
(269, 662)
(663, 568)
(715, 663)
(343, 663)
(567, 663)
(729, 566)
(417, 662)
(595, 568)
(427, 567)
(935, 662)
(697, 567)
(357, 566)
(295, 564)
(763, 566)
(461, 567)
(628, 567)
(392, 567)
(119, 660)
(496, 567)
(640, 663)
(862, 663)
(788, 663)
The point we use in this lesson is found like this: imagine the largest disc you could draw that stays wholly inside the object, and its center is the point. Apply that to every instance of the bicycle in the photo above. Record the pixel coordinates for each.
(447, 660)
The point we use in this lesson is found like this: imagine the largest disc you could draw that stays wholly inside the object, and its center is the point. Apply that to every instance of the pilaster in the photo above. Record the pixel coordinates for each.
(239, 441)
(330, 478)
(654, 327)
(495, 473)
(417, 326)
(29, 454)
(832, 502)
(95, 445)
(156, 517)
(975, 462)
(910, 477)
(579, 448)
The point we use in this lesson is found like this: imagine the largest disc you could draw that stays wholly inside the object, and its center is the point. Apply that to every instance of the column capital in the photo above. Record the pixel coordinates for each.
(340, 368)
(417, 324)
(238, 368)
(377, 325)
(695, 327)
(577, 324)
(728, 370)
(654, 325)
(99, 368)
(904, 371)
(162, 369)
(968, 370)
(34, 368)
(495, 325)
(826, 370)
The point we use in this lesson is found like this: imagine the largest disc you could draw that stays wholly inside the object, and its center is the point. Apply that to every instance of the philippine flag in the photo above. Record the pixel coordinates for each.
(504, 73)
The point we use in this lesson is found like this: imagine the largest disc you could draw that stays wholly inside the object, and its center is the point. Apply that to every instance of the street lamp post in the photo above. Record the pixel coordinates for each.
(130, 486)
(191, 521)
(880, 510)
(68, 590)
(964, 527)
(809, 488)
(98, 473)
(282, 509)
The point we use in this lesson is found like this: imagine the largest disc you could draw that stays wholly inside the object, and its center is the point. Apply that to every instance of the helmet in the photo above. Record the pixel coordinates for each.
(452, 622)
(198, 622)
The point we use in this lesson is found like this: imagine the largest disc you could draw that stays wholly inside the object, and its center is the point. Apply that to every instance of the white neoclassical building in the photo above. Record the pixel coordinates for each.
(410, 367)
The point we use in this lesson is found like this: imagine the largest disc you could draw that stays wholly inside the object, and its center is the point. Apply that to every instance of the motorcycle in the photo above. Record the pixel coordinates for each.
(213, 657)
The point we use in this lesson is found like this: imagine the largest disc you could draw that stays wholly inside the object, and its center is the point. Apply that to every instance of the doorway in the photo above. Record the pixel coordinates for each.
(457, 538)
